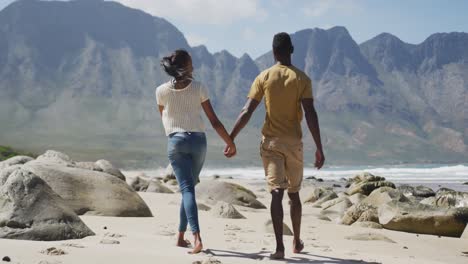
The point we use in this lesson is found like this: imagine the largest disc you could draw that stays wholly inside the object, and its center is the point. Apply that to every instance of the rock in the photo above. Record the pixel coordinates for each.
(423, 191)
(325, 198)
(311, 178)
(225, 210)
(357, 198)
(55, 157)
(370, 237)
(6, 259)
(319, 180)
(318, 193)
(384, 195)
(215, 177)
(360, 212)
(169, 174)
(372, 225)
(406, 189)
(465, 183)
(87, 165)
(269, 229)
(139, 184)
(423, 219)
(450, 198)
(336, 186)
(365, 183)
(429, 201)
(156, 186)
(203, 207)
(53, 251)
(17, 160)
(90, 192)
(110, 242)
(31, 210)
(108, 168)
(335, 209)
(172, 182)
(228, 192)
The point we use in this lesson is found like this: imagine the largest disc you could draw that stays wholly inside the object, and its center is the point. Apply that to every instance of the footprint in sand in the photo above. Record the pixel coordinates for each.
(49, 262)
(53, 251)
(110, 242)
(72, 245)
(232, 228)
(165, 233)
(114, 235)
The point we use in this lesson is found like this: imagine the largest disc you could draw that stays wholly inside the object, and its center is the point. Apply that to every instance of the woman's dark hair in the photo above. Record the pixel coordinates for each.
(176, 64)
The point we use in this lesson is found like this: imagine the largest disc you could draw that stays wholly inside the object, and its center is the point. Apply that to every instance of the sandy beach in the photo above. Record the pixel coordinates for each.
(152, 239)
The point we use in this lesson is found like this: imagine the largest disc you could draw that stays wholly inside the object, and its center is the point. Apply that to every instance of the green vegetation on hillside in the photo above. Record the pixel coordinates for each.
(8, 152)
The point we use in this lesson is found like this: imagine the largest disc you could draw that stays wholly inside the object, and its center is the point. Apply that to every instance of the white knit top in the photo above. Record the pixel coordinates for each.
(182, 107)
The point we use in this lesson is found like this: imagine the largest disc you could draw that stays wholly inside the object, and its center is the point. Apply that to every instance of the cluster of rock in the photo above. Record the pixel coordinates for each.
(371, 201)
(40, 199)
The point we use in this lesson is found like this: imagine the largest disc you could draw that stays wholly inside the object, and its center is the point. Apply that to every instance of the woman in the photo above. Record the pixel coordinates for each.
(180, 103)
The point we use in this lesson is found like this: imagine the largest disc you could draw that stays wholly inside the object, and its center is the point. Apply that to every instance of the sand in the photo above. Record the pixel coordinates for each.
(152, 240)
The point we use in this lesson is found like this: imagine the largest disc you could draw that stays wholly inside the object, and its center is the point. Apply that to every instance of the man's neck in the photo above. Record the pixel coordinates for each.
(285, 62)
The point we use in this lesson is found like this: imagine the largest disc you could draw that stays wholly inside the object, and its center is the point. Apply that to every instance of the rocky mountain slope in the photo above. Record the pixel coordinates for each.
(80, 76)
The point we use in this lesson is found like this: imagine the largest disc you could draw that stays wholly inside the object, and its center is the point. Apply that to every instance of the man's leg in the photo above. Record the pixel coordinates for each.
(277, 219)
(296, 215)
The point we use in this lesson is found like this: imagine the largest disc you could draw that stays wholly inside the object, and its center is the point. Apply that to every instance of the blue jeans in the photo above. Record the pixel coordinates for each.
(186, 152)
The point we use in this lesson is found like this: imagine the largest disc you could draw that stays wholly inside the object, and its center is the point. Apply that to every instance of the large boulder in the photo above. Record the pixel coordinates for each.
(31, 210)
(335, 209)
(109, 168)
(357, 198)
(450, 198)
(418, 191)
(320, 195)
(423, 219)
(87, 191)
(17, 160)
(365, 183)
(225, 210)
(366, 210)
(157, 186)
(139, 184)
(216, 190)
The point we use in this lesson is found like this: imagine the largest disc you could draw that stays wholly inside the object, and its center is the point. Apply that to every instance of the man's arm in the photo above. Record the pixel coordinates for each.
(313, 124)
(244, 116)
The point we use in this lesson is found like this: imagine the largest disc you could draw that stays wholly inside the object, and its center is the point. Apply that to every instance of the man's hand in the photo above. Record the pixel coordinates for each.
(319, 159)
(230, 151)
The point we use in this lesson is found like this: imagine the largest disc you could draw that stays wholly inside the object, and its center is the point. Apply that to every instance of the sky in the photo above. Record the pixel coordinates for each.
(247, 26)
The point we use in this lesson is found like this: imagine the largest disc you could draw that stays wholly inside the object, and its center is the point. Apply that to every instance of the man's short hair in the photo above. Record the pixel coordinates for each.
(282, 44)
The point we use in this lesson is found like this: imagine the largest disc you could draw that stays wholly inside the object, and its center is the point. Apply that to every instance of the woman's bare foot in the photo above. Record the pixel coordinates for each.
(181, 241)
(298, 246)
(198, 244)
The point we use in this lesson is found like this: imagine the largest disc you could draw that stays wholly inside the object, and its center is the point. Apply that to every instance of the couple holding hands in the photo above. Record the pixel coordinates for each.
(288, 94)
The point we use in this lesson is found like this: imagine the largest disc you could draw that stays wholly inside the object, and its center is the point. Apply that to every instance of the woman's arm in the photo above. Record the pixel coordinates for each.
(161, 109)
(219, 127)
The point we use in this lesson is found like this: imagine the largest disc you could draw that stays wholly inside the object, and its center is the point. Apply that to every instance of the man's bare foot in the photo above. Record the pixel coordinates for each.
(277, 255)
(298, 247)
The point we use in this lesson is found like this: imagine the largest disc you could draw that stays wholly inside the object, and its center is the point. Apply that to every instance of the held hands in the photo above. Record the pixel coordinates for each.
(319, 159)
(230, 150)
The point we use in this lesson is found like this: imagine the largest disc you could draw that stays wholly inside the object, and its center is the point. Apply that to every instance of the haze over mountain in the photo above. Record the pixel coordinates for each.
(80, 76)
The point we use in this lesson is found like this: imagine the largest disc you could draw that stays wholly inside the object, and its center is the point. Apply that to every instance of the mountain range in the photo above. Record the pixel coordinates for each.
(80, 76)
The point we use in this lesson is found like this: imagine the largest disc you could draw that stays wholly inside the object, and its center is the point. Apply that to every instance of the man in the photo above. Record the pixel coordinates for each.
(285, 89)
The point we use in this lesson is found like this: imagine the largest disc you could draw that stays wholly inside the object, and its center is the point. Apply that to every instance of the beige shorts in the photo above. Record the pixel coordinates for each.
(283, 163)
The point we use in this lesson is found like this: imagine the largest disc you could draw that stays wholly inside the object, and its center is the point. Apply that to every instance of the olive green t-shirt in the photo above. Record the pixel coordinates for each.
(283, 87)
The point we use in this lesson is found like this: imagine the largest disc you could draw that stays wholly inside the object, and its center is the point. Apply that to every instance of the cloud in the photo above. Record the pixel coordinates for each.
(318, 8)
(211, 12)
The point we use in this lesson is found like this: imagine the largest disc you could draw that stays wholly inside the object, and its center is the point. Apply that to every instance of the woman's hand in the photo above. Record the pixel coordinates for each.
(230, 150)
